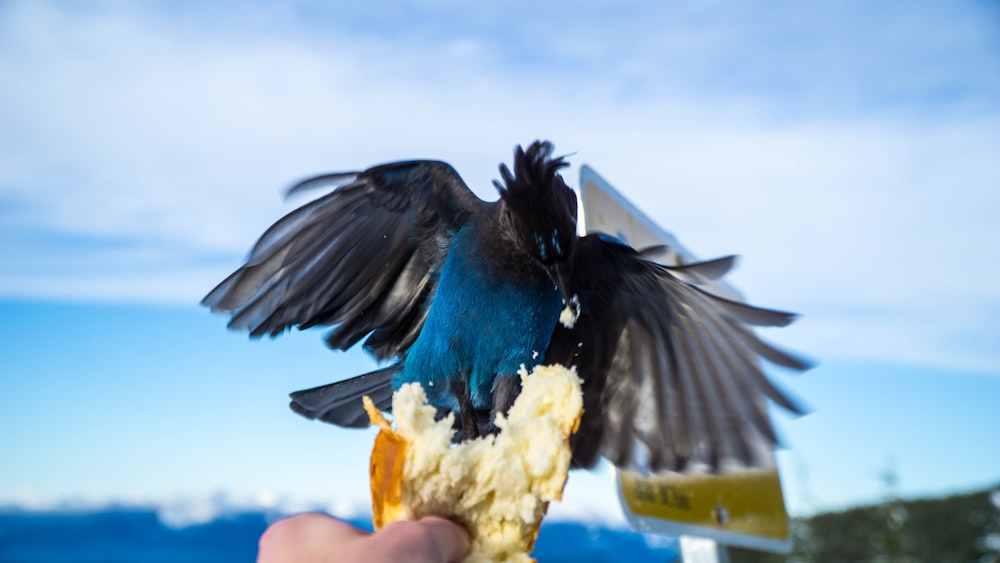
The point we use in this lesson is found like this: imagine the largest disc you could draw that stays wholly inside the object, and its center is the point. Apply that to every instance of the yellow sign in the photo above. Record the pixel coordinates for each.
(743, 508)
(739, 507)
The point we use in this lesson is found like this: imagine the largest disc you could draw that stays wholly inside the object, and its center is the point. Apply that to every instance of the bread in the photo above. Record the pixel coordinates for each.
(497, 487)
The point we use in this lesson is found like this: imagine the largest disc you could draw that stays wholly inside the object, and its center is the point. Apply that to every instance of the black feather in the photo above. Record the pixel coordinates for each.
(340, 403)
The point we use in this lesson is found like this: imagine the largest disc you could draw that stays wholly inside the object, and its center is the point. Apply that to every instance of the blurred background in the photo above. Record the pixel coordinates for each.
(849, 151)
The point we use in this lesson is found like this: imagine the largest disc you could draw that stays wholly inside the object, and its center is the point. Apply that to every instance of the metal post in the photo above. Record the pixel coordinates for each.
(702, 550)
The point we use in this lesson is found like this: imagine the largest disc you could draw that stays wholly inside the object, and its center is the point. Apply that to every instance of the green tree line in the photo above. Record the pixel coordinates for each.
(961, 528)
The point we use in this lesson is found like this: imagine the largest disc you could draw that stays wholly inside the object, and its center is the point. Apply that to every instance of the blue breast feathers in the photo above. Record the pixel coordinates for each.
(485, 321)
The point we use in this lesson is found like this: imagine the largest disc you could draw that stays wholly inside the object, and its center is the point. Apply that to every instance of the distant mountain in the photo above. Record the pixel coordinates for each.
(957, 528)
(139, 535)
(123, 535)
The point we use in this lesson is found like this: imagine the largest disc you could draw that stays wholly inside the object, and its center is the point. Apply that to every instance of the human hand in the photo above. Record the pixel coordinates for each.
(316, 538)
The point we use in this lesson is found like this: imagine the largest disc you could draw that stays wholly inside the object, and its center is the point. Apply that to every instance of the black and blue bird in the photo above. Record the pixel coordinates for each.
(458, 294)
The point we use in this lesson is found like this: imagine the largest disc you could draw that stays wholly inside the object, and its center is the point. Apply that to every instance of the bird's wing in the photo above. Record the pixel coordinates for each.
(362, 258)
(671, 373)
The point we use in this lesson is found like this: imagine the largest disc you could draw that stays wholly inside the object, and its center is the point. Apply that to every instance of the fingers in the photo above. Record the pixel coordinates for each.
(305, 537)
(317, 537)
(430, 540)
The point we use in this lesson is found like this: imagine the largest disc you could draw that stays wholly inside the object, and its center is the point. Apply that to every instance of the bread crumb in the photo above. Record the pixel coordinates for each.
(570, 312)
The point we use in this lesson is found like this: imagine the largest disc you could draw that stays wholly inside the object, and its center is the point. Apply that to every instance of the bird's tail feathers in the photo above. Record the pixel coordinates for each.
(340, 403)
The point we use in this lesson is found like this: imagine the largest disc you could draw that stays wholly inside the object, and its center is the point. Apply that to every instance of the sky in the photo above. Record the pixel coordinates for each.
(848, 151)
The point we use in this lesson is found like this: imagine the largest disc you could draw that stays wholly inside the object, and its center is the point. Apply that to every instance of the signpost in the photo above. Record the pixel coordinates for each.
(737, 507)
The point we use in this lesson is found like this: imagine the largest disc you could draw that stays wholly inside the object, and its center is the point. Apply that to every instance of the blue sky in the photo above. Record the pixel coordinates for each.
(847, 150)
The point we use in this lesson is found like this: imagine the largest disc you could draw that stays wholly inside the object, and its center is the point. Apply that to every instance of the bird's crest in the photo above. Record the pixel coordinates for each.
(537, 194)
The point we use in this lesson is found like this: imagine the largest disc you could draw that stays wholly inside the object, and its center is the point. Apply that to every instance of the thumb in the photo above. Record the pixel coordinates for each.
(450, 539)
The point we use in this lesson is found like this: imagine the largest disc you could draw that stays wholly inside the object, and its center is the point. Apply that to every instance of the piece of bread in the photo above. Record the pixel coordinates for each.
(497, 487)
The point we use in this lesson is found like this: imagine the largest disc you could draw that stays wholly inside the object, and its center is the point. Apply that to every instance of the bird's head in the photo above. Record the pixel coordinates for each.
(541, 209)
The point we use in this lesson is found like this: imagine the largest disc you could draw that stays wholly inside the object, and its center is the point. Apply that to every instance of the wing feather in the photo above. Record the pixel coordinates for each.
(677, 367)
(701, 272)
(363, 258)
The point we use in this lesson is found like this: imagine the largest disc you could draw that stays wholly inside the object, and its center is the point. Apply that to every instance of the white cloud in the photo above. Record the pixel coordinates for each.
(169, 134)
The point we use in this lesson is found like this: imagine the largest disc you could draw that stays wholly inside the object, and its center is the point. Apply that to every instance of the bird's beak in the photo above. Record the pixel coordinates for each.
(560, 274)
(560, 277)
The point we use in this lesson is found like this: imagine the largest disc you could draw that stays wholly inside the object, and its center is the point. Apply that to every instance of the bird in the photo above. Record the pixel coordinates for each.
(460, 294)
